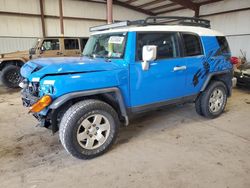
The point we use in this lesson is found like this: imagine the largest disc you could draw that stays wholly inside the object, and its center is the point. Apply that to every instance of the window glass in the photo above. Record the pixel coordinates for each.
(223, 44)
(71, 44)
(51, 44)
(192, 45)
(166, 44)
(106, 45)
(83, 42)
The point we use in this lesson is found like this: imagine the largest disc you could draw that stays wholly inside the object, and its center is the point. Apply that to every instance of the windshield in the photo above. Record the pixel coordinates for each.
(35, 44)
(111, 45)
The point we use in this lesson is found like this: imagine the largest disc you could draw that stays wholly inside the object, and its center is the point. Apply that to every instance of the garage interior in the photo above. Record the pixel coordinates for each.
(172, 147)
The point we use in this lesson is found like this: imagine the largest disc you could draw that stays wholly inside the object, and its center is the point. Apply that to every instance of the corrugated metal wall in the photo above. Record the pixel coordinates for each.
(235, 25)
(23, 27)
(8, 44)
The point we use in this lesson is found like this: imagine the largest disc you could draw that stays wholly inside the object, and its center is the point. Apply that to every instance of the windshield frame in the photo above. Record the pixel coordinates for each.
(125, 34)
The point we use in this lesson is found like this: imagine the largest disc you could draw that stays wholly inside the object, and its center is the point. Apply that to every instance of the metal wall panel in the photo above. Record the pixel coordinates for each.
(14, 44)
(235, 25)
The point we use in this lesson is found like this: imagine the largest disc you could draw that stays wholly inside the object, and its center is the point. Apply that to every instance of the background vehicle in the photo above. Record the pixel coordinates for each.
(242, 70)
(126, 71)
(11, 63)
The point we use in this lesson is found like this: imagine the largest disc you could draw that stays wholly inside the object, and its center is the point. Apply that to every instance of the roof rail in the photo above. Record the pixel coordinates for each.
(156, 20)
(177, 20)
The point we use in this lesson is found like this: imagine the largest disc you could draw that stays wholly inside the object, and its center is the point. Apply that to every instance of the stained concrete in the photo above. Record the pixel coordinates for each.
(174, 147)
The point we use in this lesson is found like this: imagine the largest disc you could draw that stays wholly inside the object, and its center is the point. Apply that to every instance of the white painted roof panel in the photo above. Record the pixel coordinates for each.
(201, 31)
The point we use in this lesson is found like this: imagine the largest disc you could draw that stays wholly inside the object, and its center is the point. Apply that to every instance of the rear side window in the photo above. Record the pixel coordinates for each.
(71, 44)
(192, 45)
(167, 45)
(223, 44)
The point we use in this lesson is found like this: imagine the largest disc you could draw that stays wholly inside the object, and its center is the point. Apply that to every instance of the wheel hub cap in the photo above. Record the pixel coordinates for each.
(216, 100)
(93, 131)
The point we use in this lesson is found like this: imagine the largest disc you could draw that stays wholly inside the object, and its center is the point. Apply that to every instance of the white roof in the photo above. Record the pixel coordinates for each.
(201, 31)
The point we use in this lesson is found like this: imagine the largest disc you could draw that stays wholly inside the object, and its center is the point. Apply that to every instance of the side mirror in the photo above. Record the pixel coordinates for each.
(148, 54)
(32, 51)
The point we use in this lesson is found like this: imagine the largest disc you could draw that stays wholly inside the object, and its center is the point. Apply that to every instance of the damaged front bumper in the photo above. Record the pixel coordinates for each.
(46, 118)
(28, 100)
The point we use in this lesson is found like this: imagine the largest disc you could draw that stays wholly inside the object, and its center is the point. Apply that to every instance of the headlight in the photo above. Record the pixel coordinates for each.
(47, 87)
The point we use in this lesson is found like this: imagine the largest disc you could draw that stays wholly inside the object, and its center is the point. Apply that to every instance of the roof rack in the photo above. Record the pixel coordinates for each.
(156, 20)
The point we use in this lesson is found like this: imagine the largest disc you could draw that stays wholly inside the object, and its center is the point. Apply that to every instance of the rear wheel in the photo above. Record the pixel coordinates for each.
(11, 76)
(213, 100)
(88, 129)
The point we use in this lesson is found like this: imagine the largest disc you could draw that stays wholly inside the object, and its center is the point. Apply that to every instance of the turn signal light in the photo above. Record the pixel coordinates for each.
(41, 104)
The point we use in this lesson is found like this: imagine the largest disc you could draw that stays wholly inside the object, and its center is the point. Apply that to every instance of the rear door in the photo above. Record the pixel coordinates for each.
(72, 47)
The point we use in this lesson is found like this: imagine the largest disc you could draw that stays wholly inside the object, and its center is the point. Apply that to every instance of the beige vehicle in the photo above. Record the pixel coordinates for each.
(10, 63)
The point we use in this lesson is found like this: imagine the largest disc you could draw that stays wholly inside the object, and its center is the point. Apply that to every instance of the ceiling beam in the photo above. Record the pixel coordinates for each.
(187, 4)
(171, 10)
(130, 1)
(163, 6)
(123, 4)
(150, 3)
(209, 2)
(93, 1)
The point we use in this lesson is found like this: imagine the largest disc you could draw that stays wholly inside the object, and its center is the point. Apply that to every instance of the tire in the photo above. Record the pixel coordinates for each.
(11, 76)
(213, 100)
(198, 105)
(84, 122)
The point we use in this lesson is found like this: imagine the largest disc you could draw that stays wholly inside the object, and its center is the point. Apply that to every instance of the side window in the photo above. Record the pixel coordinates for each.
(223, 44)
(192, 45)
(51, 44)
(71, 44)
(167, 45)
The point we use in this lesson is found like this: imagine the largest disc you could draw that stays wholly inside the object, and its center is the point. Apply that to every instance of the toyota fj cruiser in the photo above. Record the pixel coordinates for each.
(128, 68)
(10, 63)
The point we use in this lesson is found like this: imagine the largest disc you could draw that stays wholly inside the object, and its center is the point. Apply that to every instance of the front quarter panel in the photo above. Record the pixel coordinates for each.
(59, 85)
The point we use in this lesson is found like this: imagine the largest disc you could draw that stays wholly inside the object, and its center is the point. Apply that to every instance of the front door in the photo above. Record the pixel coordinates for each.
(166, 77)
(50, 48)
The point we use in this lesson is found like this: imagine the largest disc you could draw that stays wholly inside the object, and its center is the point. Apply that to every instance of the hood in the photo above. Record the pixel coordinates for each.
(66, 65)
(17, 54)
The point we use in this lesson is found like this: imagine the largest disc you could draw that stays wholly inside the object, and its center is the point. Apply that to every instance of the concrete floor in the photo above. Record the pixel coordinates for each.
(168, 148)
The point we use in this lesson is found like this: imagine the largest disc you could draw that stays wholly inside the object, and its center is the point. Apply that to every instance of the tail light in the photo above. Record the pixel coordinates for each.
(234, 60)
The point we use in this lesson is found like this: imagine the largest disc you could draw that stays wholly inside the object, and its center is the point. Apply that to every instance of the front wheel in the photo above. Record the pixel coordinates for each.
(11, 76)
(88, 129)
(213, 100)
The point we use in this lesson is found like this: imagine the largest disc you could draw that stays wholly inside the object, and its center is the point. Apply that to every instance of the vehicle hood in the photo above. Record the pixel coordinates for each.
(17, 54)
(66, 65)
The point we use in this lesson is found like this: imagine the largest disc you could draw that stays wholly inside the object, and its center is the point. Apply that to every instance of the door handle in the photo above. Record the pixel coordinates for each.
(179, 68)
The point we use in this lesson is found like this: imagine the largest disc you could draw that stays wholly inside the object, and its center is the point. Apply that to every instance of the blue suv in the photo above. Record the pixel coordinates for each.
(128, 68)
